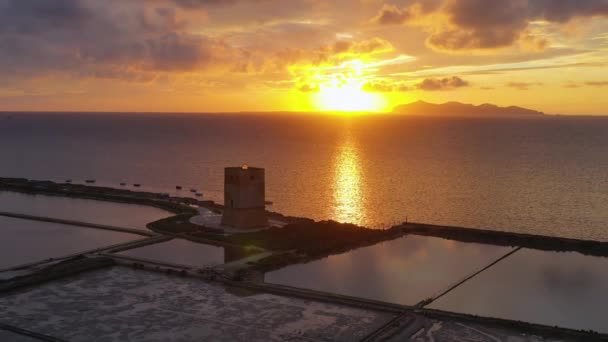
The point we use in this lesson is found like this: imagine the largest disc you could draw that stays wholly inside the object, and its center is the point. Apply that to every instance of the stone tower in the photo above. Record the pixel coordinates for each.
(244, 198)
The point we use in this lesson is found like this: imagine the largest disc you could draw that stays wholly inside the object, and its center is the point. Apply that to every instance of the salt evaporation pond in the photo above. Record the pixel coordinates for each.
(24, 241)
(180, 252)
(84, 210)
(563, 289)
(405, 270)
(122, 304)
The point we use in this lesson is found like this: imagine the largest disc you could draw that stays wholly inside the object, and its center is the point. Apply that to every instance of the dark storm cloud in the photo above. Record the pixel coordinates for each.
(436, 84)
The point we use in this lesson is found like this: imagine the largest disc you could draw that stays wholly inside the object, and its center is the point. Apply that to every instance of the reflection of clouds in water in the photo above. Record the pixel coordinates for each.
(405, 270)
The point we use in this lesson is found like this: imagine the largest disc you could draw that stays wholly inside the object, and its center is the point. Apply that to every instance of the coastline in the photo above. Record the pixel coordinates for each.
(281, 251)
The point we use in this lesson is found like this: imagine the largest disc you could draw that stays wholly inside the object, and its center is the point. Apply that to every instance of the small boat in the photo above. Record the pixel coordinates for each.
(89, 181)
(178, 187)
(123, 184)
(268, 202)
(193, 190)
(137, 185)
(198, 194)
(68, 181)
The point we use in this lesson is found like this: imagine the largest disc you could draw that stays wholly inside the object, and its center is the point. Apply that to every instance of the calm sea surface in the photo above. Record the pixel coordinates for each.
(544, 176)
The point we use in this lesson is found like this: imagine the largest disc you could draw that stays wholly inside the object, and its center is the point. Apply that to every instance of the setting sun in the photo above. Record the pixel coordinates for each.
(348, 96)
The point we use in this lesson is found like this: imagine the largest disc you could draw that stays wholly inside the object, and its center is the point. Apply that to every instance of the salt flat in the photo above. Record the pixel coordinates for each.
(120, 304)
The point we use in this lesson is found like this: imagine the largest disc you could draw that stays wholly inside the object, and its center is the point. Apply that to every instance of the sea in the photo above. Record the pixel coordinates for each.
(546, 175)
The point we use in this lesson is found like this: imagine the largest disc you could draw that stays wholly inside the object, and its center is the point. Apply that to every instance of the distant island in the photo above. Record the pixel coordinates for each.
(457, 109)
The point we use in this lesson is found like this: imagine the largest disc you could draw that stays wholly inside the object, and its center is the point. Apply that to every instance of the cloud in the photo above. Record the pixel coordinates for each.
(197, 4)
(309, 88)
(391, 15)
(363, 47)
(435, 84)
(36, 16)
(333, 54)
(428, 84)
(460, 25)
(523, 85)
(88, 38)
(384, 86)
(597, 83)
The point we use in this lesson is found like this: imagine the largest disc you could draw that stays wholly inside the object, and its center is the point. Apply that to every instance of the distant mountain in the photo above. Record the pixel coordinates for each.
(463, 110)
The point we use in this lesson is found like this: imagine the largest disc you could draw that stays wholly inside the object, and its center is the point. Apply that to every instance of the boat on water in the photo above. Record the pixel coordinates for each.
(178, 187)
(198, 194)
(90, 181)
(268, 202)
(193, 190)
(137, 185)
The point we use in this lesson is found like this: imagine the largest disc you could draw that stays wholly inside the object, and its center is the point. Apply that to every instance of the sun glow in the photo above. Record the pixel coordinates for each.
(348, 97)
(340, 88)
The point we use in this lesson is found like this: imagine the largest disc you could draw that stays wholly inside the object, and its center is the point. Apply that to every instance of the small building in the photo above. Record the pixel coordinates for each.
(244, 198)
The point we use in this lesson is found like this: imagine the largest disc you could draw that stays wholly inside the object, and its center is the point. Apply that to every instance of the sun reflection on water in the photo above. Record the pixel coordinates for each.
(348, 194)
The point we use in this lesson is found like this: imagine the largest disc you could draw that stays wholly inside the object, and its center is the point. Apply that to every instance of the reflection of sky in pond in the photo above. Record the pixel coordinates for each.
(24, 241)
(405, 271)
(563, 289)
(182, 252)
(84, 210)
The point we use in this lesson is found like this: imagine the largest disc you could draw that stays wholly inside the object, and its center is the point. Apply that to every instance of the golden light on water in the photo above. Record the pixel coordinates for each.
(348, 192)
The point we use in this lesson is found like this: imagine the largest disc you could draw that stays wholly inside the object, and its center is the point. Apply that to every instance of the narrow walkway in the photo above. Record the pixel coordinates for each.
(243, 263)
(110, 249)
(77, 223)
(452, 287)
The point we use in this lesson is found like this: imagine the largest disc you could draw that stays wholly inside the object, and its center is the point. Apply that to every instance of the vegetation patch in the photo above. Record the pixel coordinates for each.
(307, 241)
(180, 224)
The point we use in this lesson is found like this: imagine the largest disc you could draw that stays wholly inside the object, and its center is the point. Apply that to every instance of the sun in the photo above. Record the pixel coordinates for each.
(346, 95)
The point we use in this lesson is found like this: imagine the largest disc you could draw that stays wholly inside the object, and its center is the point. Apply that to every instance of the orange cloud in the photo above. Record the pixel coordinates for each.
(523, 85)
(383, 86)
(481, 24)
(434, 84)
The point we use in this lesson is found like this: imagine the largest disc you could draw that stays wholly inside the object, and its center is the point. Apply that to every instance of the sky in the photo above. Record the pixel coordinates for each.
(302, 55)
